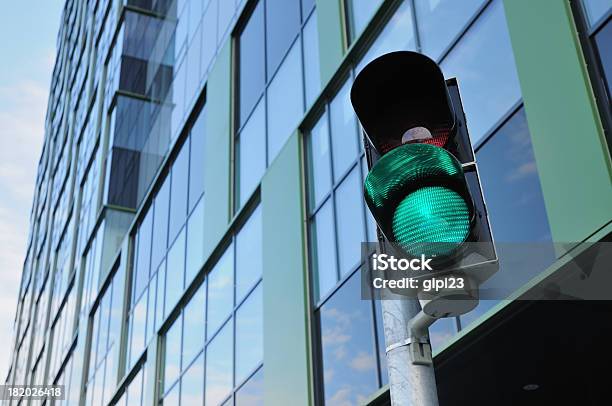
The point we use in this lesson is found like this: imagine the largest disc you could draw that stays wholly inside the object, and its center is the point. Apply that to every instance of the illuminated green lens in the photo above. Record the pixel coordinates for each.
(433, 221)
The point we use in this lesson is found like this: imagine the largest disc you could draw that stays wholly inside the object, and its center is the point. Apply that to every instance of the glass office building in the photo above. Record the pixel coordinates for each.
(196, 226)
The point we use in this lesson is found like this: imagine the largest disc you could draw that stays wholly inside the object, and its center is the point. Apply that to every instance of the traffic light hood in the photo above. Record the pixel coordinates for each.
(400, 91)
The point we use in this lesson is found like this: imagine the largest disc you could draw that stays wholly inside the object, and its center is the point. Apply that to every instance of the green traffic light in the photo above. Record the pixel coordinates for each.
(431, 221)
(411, 191)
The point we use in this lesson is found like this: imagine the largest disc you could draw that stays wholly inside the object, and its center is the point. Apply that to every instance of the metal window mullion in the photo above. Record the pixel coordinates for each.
(265, 91)
(333, 193)
(375, 340)
(205, 344)
(415, 27)
(233, 314)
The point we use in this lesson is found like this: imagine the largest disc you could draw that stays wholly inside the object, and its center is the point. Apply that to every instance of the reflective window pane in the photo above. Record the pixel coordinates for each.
(360, 13)
(319, 165)
(195, 242)
(219, 362)
(508, 169)
(252, 64)
(178, 191)
(138, 325)
(349, 361)
(160, 224)
(195, 14)
(596, 9)
(312, 70)
(483, 63)
(135, 389)
(324, 249)
(285, 100)
(143, 256)
(433, 14)
(603, 40)
(343, 131)
(209, 35)
(220, 292)
(282, 26)
(249, 335)
(520, 227)
(171, 399)
(398, 35)
(192, 384)
(193, 339)
(251, 393)
(175, 267)
(161, 293)
(150, 313)
(196, 161)
(349, 215)
(226, 14)
(252, 152)
(193, 67)
(172, 364)
(249, 261)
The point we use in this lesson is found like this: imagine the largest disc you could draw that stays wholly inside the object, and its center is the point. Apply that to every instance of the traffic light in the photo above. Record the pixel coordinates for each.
(422, 187)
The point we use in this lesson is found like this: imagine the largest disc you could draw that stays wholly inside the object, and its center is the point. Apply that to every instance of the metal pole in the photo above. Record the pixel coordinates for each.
(412, 382)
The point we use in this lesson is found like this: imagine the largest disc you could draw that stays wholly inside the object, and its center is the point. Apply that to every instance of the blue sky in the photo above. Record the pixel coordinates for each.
(27, 47)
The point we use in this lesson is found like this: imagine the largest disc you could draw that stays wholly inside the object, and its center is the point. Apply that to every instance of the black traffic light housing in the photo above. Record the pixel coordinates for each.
(402, 98)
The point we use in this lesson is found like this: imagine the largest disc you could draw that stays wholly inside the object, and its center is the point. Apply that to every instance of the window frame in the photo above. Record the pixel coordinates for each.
(175, 314)
(586, 36)
(236, 127)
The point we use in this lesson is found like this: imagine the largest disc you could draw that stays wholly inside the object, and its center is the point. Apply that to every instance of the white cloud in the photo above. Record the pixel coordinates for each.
(522, 171)
(363, 362)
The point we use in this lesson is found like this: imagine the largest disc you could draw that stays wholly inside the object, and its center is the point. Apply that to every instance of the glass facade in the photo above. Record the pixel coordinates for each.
(215, 345)
(145, 277)
(480, 55)
(278, 78)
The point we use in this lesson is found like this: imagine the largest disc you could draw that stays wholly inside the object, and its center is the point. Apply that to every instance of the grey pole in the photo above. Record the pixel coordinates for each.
(412, 381)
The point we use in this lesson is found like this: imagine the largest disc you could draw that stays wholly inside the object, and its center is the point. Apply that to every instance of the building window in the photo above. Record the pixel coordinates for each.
(133, 394)
(596, 10)
(398, 34)
(105, 341)
(440, 21)
(63, 331)
(483, 63)
(359, 14)
(277, 45)
(213, 351)
(168, 241)
(603, 41)
(337, 210)
(69, 377)
(515, 203)
(595, 24)
(352, 364)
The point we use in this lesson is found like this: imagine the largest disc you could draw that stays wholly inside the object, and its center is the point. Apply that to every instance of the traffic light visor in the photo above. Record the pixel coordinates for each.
(400, 91)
